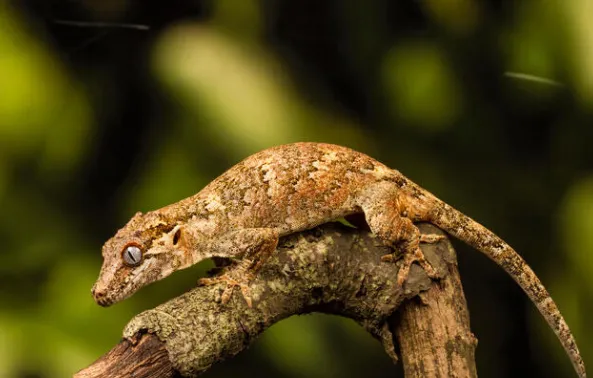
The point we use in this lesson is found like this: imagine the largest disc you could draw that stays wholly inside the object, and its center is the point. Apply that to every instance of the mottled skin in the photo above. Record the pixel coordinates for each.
(291, 188)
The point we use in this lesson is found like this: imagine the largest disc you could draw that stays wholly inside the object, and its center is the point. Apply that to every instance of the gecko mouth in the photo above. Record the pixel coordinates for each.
(103, 302)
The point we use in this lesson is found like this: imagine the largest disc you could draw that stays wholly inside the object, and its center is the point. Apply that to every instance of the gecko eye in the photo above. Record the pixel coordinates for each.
(132, 255)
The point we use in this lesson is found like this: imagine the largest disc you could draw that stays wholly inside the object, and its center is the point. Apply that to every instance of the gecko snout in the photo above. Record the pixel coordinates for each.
(100, 296)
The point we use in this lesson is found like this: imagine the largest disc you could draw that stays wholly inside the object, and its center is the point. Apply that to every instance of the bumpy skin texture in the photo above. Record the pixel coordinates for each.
(292, 188)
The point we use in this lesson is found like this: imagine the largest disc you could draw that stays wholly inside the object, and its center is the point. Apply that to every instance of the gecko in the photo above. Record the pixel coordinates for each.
(291, 188)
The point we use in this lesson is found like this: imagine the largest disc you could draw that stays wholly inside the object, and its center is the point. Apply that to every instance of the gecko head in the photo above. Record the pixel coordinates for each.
(148, 248)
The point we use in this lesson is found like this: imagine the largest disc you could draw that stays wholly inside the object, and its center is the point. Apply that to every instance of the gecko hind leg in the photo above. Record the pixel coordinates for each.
(383, 211)
(255, 246)
(409, 246)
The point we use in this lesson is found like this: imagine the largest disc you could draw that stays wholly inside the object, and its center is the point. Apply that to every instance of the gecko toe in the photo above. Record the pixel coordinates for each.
(409, 258)
(230, 283)
(414, 257)
(228, 292)
(431, 238)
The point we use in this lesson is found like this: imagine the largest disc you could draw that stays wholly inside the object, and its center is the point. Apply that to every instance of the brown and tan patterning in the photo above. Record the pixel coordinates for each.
(291, 188)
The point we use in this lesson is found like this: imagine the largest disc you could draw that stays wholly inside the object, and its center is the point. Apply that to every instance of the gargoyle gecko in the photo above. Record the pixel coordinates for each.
(291, 188)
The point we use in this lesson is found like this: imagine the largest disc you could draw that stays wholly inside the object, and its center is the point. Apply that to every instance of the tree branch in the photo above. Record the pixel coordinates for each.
(331, 269)
(433, 329)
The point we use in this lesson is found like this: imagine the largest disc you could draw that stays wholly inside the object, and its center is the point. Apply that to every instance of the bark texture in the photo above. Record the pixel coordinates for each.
(331, 269)
(433, 330)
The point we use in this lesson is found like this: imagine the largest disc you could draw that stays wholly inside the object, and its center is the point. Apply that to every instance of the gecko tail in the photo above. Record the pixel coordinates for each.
(474, 234)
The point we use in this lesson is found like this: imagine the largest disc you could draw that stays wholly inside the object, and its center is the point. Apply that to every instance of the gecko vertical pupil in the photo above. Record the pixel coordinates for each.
(132, 255)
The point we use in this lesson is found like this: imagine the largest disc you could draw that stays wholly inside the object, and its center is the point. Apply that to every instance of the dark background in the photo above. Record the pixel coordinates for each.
(487, 104)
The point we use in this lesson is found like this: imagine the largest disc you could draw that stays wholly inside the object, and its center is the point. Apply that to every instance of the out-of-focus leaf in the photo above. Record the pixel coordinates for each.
(577, 227)
(576, 15)
(41, 111)
(241, 94)
(421, 86)
(459, 16)
(299, 349)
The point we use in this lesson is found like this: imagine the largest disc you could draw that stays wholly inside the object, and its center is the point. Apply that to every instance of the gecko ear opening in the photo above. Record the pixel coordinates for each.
(177, 236)
(132, 254)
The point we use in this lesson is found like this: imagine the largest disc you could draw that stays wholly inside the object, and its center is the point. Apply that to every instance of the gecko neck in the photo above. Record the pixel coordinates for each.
(198, 208)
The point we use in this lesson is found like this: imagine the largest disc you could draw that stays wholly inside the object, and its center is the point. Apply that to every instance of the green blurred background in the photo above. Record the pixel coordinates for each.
(488, 104)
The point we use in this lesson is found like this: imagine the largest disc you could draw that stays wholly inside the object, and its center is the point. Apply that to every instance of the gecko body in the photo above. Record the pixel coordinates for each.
(291, 188)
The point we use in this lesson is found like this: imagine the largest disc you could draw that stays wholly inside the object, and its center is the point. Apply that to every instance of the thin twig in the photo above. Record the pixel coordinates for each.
(112, 25)
(533, 78)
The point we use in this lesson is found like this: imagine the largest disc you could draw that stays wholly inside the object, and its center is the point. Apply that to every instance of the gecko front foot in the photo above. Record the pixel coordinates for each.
(231, 283)
(413, 254)
(238, 276)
